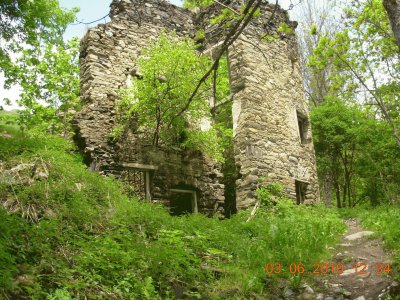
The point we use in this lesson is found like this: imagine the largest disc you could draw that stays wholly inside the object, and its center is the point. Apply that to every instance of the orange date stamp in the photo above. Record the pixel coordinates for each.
(338, 268)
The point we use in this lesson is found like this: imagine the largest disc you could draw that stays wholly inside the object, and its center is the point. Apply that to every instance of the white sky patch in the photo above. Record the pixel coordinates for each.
(12, 94)
(205, 124)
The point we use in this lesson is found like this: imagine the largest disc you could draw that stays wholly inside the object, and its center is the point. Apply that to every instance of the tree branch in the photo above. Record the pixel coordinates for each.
(378, 100)
(227, 7)
(233, 34)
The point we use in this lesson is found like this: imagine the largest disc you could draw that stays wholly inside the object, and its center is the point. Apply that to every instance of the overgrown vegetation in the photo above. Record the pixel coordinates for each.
(353, 82)
(72, 233)
(34, 56)
(67, 233)
(156, 105)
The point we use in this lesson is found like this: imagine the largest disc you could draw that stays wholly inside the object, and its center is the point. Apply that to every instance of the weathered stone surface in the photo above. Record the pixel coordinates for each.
(274, 95)
(24, 173)
(267, 92)
(108, 57)
(358, 235)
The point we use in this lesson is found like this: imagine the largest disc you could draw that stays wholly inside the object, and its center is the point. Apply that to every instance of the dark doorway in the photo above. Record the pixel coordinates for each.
(301, 188)
(182, 202)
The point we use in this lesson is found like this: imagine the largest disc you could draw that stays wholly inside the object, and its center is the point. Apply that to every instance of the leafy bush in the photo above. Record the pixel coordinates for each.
(7, 260)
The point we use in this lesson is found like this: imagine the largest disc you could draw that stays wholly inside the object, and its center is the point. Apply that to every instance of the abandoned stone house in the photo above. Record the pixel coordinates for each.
(272, 136)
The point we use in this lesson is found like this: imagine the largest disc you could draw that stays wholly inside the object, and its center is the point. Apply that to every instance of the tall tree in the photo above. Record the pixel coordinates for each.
(365, 55)
(393, 10)
(49, 78)
(335, 128)
(316, 21)
(356, 150)
(25, 24)
(34, 55)
(169, 73)
(364, 61)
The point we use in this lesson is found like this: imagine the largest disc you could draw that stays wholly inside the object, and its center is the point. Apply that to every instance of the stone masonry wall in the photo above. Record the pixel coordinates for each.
(268, 96)
(108, 56)
(267, 91)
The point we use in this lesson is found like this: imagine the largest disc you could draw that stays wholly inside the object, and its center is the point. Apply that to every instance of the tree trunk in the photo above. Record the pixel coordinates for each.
(347, 184)
(337, 189)
(344, 194)
(327, 190)
(393, 10)
(348, 179)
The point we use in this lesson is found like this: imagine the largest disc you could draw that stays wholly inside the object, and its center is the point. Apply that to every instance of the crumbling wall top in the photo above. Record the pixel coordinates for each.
(156, 12)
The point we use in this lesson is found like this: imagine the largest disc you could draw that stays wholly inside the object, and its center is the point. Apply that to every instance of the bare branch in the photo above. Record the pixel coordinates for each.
(222, 102)
(232, 35)
(226, 6)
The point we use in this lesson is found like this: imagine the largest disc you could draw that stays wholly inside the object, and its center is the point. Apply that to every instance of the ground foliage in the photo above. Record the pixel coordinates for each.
(74, 234)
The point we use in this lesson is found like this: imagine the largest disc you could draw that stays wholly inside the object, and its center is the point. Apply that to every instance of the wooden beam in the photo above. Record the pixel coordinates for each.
(194, 203)
(182, 191)
(301, 180)
(141, 167)
(147, 185)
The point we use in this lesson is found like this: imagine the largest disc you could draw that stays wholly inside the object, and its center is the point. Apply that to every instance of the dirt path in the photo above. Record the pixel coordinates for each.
(369, 281)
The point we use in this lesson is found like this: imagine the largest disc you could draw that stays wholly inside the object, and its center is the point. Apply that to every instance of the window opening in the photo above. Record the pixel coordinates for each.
(302, 124)
(183, 202)
(138, 177)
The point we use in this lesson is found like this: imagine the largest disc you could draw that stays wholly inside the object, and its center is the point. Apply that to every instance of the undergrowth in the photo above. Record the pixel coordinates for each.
(67, 233)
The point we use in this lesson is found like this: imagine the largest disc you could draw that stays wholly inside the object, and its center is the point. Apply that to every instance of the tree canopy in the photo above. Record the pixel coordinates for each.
(29, 23)
(34, 56)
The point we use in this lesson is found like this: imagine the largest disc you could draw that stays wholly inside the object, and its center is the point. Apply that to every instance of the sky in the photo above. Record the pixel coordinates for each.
(90, 10)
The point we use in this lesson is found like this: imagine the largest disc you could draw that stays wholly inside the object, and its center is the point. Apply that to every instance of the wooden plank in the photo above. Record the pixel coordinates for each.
(137, 166)
(194, 203)
(147, 185)
(182, 191)
(301, 180)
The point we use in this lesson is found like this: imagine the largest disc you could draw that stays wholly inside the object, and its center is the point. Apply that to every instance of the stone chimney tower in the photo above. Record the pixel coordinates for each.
(273, 141)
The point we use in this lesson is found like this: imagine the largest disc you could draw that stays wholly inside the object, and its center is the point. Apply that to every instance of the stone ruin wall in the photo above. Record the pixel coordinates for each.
(268, 96)
(267, 91)
(108, 55)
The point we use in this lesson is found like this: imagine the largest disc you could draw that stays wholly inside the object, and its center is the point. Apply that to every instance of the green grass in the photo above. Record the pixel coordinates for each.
(8, 123)
(74, 234)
